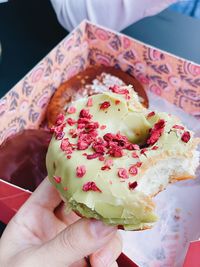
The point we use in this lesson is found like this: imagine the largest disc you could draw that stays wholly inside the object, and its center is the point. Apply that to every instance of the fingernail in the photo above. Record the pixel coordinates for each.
(99, 229)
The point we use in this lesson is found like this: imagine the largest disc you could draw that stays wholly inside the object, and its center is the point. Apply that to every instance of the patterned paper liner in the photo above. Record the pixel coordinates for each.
(175, 79)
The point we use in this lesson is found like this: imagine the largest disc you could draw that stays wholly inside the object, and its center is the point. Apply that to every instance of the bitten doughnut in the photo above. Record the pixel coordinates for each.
(109, 156)
(95, 79)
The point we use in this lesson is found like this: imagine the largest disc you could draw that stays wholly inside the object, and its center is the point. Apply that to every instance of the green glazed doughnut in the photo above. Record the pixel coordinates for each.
(109, 156)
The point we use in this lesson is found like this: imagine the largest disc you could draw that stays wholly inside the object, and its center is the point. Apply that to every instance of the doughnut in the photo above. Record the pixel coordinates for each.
(93, 80)
(22, 158)
(109, 156)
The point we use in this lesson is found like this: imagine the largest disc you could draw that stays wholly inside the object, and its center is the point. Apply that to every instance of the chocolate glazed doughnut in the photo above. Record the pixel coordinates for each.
(22, 158)
(83, 85)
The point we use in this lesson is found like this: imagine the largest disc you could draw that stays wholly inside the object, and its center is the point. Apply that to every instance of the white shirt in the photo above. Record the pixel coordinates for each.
(114, 14)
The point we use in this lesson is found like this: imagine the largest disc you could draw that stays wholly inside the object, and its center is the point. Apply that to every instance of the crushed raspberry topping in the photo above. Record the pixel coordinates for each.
(143, 151)
(151, 114)
(185, 137)
(57, 179)
(71, 110)
(60, 119)
(117, 102)
(90, 102)
(59, 135)
(58, 131)
(93, 156)
(156, 132)
(85, 113)
(99, 146)
(115, 152)
(71, 121)
(101, 158)
(90, 186)
(80, 171)
(91, 126)
(65, 144)
(135, 147)
(133, 185)
(73, 132)
(69, 156)
(133, 170)
(116, 89)
(134, 155)
(123, 173)
(179, 127)
(102, 127)
(138, 164)
(108, 165)
(154, 148)
(105, 105)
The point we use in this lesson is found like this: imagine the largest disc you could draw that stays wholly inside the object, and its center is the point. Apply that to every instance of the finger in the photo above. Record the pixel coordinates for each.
(45, 196)
(76, 242)
(107, 255)
(81, 263)
(63, 215)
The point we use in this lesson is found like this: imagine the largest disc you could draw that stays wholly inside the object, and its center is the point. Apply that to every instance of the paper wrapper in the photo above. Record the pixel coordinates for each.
(169, 77)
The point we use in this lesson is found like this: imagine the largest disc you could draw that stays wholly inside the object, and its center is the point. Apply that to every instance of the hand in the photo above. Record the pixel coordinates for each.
(42, 235)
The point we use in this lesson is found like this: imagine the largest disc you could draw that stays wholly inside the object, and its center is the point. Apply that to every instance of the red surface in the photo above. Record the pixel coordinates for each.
(193, 255)
(11, 199)
(124, 261)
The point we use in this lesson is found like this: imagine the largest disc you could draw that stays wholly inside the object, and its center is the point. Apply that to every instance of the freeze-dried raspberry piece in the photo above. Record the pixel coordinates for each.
(90, 102)
(115, 152)
(105, 105)
(94, 156)
(133, 185)
(102, 127)
(80, 171)
(82, 145)
(185, 137)
(134, 155)
(57, 179)
(85, 113)
(108, 165)
(71, 121)
(60, 119)
(92, 126)
(151, 114)
(123, 173)
(73, 133)
(142, 151)
(71, 110)
(116, 89)
(138, 164)
(90, 186)
(154, 148)
(156, 132)
(65, 144)
(133, 170)
(179, 127)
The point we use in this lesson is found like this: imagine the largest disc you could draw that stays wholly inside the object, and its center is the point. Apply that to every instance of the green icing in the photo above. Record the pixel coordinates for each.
(116, 204)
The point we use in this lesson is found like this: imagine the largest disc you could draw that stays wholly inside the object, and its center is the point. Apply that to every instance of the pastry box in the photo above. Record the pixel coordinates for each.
(165, 77)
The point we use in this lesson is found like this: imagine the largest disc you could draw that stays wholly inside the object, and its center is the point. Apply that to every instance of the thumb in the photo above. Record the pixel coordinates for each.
(77, 241)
